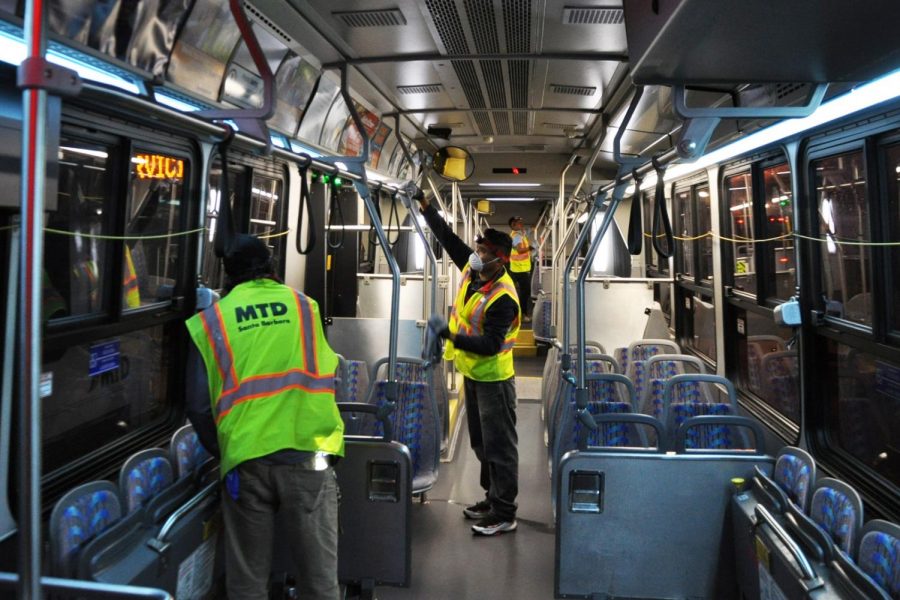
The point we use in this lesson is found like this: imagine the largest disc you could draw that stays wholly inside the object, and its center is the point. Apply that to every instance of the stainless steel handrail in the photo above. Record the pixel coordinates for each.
(87, 589)
(807, 571)
(176, 516)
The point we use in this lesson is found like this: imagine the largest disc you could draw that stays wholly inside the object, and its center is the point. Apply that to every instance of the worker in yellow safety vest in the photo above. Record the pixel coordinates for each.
(483, 326)
(261, 398)
(520, 264)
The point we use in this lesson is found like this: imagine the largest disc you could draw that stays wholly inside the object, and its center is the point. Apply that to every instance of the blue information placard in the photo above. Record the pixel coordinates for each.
(104, 357)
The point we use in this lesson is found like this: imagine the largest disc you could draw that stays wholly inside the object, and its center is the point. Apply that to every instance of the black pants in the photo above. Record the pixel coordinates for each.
(523, 289)
(491, 415)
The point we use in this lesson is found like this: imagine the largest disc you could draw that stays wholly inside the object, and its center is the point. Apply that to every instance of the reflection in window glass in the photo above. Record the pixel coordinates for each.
(893, 180)
(654, 260)
(74, 265)
(779, 216)
(739, 199)
(684, 207)
(704, 225)
(703, 317)
(768, 368)
(213, 272)
(150, 266)
(89, 409)
(843, 216)
(266, 214)
(863, 401)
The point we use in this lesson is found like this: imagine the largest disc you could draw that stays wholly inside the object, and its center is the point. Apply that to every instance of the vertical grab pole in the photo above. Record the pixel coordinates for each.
(31, 257)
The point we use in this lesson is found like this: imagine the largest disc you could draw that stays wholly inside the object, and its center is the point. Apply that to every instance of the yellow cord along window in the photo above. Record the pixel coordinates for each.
(153, 214)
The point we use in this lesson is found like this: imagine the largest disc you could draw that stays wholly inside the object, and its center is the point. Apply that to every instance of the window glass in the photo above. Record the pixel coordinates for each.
(703, 318)
(105, 390)
(705, 244)
(893, 183)
(739, 199)
(843, 216)
(768, 368)
(213, 272)
(266, 212)
(862, 394)
(779, 223)
(686, 226)
(75, 262)
(150, 265)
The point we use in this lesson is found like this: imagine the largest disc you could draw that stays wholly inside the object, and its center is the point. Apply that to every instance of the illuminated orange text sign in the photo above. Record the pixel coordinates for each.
(158, 166)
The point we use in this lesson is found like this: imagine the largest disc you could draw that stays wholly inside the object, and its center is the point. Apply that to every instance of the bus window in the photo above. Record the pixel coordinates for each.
(150, 266)
(75, 263)
(739, 199)
(862, 402)
(843, 216)
(213, 274)
(703, 317)
(267, 213)
(768, 368)
(684, 207)
(892, 175)
(705, 244)
(779, 215)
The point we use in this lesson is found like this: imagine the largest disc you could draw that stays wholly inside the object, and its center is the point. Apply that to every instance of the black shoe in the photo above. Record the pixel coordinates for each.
(492, 525)
(479, 510)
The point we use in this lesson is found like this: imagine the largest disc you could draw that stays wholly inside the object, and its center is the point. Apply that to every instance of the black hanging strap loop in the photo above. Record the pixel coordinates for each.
(335, 210)
(393, 218)
(225, 231)
(661, 215)
(635, 226)
(305, 206)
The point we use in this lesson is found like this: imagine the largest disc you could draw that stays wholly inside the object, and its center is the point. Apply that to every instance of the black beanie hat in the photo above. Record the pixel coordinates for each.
(247, 255)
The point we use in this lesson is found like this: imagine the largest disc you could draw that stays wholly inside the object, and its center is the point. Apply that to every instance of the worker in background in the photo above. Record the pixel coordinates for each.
(262, 400)
(483, 327)
(520, 265)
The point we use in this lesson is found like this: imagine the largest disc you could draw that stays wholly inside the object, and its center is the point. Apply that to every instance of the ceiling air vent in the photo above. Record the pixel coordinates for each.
(427, 88)
(592, 15)
(559, 125)
(388, 17)
(573, 90)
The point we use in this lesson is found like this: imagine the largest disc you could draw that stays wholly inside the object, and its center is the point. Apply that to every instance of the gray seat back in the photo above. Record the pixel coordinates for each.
(186, 452)
(79, 516)
(144, 475)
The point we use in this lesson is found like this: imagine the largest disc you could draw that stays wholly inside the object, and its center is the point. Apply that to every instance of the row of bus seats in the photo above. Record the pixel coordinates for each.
(416, 419)
(158, 527)
(806, 536)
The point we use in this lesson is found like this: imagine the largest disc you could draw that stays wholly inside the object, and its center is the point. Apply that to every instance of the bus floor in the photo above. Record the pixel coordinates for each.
(449, 561)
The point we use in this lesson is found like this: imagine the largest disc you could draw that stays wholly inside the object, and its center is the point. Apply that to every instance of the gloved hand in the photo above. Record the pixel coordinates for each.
(439, 326)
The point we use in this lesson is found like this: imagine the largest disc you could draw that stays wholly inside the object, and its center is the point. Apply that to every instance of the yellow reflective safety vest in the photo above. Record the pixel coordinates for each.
(467, 317)
(271, 373)
(130, 287)
(520, 262)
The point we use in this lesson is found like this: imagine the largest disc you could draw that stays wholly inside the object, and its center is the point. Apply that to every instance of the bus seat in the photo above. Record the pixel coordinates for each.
(837, 510)
(684, 398)
(758, 346)
(660, 369)
(415, 424)
(795, 472)
(781, 371)
(186, 452)
(621, 356)
(644, 349)
(78, 517)
(542, 318)
(879, 555)
(351, 380)
(144, 475)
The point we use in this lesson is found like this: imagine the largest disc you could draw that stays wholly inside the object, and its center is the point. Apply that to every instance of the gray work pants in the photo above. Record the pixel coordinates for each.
(309, 503)
(491, 415)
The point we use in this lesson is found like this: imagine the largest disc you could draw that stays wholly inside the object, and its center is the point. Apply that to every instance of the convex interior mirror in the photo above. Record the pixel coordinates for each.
(454, 163)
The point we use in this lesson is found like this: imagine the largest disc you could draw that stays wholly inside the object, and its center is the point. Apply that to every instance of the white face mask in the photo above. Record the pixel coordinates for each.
(476, 264)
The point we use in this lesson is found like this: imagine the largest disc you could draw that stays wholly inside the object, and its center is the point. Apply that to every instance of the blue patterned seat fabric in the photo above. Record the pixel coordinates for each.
(145, 480)
(86, 517)
(879, 558)
(356, 385)
(189, 453)
(793, 475)
(621, 356)
(607, 434)
(414, 425)
(835, 514)
(706, 437)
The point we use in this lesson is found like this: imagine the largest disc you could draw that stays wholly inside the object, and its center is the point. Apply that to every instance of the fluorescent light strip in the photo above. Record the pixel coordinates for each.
(513, 185)
(512, 199)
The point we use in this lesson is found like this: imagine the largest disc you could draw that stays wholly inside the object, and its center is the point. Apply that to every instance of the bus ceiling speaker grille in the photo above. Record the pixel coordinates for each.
(483, 26)
(262, 19)
(592, 15)
(517, 25)
(448, 25)
(518, 82)
(425, 88)
(492, 72)
(389, 17)
(573, 90)
(468, 79)
(562, 126)
(483, 120)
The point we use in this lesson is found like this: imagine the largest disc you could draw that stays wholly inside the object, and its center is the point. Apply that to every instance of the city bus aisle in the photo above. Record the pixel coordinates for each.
(449, 561)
